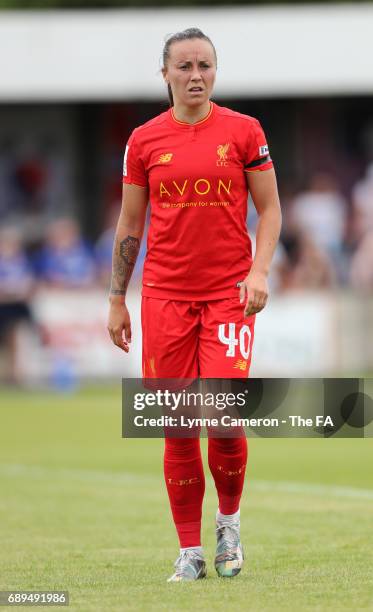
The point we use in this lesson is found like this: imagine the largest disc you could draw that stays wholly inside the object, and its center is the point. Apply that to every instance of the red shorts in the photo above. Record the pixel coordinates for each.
(182, 339)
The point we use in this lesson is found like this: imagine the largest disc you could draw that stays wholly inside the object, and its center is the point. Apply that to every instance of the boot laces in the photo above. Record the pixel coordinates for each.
(230, 534)
(184, 559)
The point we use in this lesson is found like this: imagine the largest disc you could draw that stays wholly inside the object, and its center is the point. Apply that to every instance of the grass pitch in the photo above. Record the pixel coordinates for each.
(86, 511)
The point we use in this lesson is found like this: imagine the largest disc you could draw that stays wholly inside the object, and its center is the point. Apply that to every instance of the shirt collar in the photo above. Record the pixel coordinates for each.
(199, 124)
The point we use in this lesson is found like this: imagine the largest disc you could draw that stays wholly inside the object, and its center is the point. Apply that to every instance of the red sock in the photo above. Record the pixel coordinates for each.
(227, 462)
(185, 483)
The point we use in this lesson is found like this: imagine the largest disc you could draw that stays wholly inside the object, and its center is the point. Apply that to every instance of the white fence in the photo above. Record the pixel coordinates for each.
(297, 335)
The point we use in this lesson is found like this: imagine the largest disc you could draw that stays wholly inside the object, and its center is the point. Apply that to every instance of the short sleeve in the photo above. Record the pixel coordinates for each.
(257, 154)
(133, 166)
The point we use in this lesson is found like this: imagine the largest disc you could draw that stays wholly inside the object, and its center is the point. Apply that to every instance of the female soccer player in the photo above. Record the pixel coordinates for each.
(201, 287)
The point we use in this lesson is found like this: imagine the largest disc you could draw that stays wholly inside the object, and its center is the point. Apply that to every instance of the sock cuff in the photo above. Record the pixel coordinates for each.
(228, 518)
(197, 549)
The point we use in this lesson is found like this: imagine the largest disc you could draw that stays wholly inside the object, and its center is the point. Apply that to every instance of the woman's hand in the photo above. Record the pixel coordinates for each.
(255, 290)
(119, 322)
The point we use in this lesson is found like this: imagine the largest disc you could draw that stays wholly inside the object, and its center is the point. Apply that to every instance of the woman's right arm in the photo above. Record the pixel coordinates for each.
(127, 241)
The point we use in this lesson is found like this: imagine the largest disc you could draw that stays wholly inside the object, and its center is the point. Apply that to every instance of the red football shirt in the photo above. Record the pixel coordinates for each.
(198, 246)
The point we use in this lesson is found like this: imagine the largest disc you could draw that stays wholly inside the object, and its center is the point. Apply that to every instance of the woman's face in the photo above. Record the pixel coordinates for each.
(191, 71)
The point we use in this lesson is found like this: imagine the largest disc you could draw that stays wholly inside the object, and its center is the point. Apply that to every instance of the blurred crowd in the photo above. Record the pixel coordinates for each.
(63, 260)
(327, 238)
(327, 242)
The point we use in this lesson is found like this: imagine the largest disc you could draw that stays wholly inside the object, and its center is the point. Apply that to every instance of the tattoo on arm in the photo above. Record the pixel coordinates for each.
(124, 258)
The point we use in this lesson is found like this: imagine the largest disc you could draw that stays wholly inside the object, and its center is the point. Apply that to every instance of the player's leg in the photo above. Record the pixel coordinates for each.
(227, 461)
(185, 482)
(170, 335)
(226, 341)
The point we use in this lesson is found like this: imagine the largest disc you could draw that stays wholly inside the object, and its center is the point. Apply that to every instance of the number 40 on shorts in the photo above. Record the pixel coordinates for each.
(231, 340)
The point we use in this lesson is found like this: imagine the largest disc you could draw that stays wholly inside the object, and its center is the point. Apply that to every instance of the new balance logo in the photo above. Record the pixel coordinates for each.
(240, 364)
(165, 157)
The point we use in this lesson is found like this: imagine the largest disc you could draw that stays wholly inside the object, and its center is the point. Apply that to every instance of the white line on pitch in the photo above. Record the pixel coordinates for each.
(41, 472)
(311, 489)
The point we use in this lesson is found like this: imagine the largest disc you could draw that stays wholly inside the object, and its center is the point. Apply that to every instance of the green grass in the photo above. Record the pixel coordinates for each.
(83, 510)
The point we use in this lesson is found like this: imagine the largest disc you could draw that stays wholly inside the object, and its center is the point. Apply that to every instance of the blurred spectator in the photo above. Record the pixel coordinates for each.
(36, 185)
(104, 247)
(16, 286)
(278, 269)
(321, 213)
(60, 198)
(104, 250)
(361, 270)
(30, 177)
(308, 266)
(362, 203)
(279, 264)
(65, 261)
(7, 154)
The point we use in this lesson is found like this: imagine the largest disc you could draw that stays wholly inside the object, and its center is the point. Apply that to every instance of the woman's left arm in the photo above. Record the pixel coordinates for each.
(263, 189)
